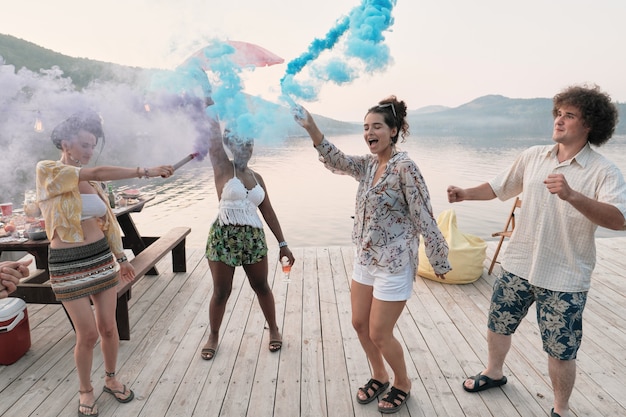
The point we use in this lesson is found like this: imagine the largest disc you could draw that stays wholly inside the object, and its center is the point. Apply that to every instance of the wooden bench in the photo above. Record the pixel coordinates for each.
(37, 289)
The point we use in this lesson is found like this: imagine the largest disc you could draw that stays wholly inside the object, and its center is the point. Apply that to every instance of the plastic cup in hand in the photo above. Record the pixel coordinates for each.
(284, 262)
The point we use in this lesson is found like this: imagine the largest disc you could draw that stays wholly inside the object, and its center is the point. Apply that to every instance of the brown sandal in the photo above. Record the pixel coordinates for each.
(127, 397)
(90, 407)
(275, 345)
(207, 353)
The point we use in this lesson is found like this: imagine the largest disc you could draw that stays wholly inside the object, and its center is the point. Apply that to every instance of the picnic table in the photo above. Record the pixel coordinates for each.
(147, 250)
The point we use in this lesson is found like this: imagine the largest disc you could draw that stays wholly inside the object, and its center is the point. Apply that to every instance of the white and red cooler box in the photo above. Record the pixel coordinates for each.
(14, 330)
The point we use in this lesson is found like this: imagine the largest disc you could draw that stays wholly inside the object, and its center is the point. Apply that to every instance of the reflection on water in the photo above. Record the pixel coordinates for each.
(315, 207)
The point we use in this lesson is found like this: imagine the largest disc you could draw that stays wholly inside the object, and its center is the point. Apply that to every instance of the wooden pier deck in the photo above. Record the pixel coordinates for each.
(321, 364)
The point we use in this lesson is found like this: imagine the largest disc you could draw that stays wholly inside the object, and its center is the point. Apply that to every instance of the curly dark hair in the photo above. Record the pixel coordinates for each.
(87, 120)
(394, 112)
(599, 114)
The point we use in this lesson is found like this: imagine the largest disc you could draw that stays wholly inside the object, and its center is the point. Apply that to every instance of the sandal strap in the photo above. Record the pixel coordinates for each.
(372, 388)
(395, 396)
(85, 392)
(373, 385)
(90, 407)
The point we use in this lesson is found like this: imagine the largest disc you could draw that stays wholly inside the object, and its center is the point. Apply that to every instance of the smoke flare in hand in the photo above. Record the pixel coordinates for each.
(185, 160)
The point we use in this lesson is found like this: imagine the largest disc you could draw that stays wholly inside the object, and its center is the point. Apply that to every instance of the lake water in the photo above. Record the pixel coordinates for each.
(315, 206)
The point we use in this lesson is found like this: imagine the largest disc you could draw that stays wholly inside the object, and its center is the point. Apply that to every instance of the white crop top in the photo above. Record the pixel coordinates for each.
(238, 205)
(93, 206)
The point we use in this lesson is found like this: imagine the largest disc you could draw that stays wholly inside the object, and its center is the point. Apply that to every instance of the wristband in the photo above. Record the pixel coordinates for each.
(138, 173)
(145, 173)
(282, 244)
(122, 259)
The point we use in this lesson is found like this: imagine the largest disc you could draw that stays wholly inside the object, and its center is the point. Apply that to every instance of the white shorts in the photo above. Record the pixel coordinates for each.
(387, 286)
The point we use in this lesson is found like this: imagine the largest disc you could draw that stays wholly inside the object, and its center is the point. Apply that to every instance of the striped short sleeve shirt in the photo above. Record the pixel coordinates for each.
(553, 244)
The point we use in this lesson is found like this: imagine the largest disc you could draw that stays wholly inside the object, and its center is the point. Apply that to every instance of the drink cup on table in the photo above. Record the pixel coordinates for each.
(19, 220)
(31, 208)
(7, 209)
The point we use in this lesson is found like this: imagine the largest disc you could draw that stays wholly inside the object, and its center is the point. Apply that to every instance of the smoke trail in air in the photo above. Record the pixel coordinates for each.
(214, 73)
(360, 38)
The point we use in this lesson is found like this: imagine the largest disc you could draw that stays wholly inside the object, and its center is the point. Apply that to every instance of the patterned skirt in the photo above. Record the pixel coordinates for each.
(235, 245)
(82, 271)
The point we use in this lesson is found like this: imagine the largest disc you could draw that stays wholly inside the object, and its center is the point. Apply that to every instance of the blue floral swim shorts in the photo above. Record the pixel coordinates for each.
(235, 245)
(559, 314)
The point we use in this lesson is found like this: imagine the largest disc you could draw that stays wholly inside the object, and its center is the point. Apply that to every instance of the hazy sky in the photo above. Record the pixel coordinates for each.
(445, 52)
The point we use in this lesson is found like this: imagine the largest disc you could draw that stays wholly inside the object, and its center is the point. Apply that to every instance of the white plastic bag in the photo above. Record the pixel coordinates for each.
(466, 253)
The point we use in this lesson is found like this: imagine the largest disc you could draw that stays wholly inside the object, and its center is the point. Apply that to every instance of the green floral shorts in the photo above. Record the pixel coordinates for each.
(235, 245)
(559, 314)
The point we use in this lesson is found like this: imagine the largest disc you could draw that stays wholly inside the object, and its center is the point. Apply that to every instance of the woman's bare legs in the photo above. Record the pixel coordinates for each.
(222, 286)
(361, 299)
(257, 276)
(82, 317)
(222, 275)
(105, 304)
(383, 318)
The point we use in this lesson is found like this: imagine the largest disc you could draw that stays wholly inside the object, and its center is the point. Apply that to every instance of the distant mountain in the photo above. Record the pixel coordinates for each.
(428, 110)
(491, 116)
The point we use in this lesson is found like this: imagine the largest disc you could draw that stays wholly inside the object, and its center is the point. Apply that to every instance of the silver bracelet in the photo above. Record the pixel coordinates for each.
(122, 259)
(282, 244)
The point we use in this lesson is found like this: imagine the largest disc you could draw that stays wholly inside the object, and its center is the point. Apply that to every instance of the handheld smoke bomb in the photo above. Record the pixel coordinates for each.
(296, 110)
(185, 160)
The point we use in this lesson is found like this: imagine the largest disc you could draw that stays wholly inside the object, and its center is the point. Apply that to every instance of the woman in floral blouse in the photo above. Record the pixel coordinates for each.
(392, 210)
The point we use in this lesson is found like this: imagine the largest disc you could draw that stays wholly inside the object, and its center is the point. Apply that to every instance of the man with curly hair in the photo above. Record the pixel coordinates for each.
(569, 190)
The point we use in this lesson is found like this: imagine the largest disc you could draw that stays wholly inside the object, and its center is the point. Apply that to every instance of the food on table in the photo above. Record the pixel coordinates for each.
(130, 193)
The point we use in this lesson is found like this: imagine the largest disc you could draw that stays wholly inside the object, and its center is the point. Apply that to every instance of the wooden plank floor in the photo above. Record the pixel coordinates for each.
(321, 364)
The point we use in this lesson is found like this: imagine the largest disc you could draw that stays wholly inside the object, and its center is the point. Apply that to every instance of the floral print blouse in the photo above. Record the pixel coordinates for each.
(391, 214)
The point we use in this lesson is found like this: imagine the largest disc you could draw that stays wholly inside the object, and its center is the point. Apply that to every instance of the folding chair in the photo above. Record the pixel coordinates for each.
(508, 230)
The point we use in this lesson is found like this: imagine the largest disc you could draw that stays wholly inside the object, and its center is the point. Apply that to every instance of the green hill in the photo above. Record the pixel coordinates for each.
(82, 71)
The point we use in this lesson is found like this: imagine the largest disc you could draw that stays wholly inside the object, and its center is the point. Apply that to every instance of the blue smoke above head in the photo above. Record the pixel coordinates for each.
(360, 35)
(352, 47)
(214, 76)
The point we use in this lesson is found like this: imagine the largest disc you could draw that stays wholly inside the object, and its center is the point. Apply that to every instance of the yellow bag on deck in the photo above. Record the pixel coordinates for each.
(466, 253)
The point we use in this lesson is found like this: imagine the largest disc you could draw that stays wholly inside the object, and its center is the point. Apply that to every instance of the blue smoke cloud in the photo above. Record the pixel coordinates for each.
(361, 36)
(213, 74)
(354, 45)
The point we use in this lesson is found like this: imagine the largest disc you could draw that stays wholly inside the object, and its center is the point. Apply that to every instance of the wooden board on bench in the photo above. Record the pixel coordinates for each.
(34, 290)
(173, 241)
